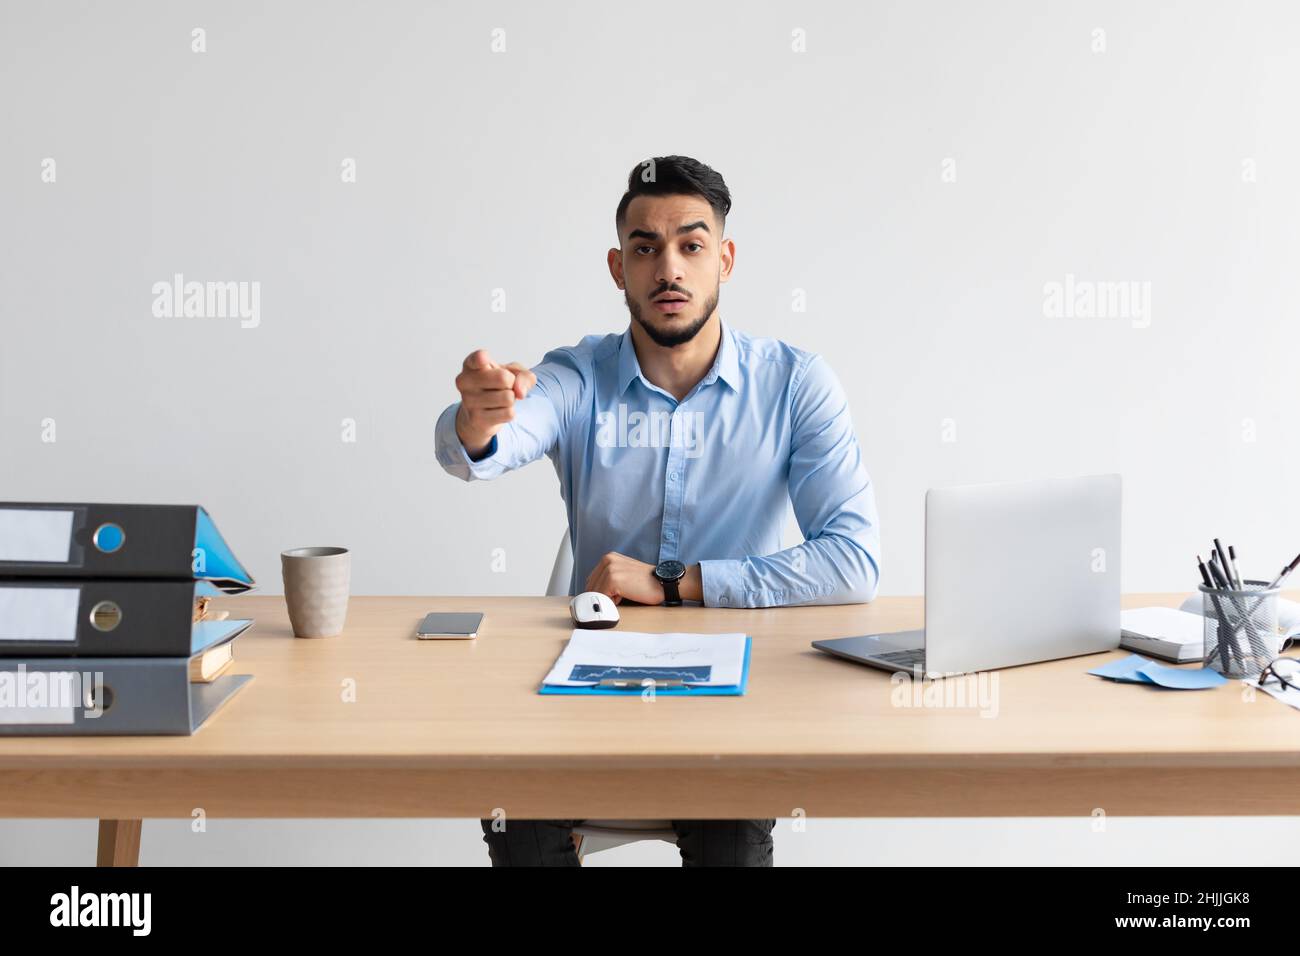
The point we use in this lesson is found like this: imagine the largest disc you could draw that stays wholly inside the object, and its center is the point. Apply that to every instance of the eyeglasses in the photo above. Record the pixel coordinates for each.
(1285, 670)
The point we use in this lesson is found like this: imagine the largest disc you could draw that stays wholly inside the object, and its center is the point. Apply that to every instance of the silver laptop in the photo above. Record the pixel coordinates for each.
(1015, 573)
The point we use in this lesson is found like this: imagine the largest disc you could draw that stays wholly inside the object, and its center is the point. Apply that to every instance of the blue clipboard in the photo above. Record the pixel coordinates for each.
(724, 690)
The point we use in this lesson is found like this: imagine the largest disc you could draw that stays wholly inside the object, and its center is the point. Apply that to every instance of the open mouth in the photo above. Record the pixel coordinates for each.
(671, 302)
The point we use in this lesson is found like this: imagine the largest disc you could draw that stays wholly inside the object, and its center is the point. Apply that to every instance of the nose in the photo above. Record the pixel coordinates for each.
(671, 269)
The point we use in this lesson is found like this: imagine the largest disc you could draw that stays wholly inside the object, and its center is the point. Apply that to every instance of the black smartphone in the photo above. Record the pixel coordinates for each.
(451, 625)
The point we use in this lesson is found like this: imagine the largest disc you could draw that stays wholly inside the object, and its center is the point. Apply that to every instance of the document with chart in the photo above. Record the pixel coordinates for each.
(594, 661)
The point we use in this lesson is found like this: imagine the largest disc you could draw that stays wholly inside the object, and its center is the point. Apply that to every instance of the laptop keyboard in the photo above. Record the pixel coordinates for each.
(902, 658)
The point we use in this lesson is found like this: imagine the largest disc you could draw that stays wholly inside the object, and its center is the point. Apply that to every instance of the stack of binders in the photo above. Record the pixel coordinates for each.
(103, 619)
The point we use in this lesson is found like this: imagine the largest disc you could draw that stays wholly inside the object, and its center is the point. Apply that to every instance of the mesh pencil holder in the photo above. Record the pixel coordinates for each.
(1240, 628)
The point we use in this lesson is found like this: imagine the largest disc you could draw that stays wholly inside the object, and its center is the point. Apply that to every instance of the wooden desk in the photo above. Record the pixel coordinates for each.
(456, 729)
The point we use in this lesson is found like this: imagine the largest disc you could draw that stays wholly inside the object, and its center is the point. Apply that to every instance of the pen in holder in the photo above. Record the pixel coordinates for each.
(1240, 628)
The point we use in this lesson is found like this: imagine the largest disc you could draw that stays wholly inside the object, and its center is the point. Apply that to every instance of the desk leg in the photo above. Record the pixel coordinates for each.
(119, 843)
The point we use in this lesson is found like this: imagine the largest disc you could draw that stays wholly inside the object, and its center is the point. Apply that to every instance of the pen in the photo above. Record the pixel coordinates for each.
(1222, 554)
(1205, 575)
(1285, 573)
(1218, 573)
(1257, 645)
(1229, 650)
(1236, 574)
(1277, 581)
(1218, 648)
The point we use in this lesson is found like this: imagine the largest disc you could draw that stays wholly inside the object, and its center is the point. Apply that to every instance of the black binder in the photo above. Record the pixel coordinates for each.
(116, 541)
(105, 618)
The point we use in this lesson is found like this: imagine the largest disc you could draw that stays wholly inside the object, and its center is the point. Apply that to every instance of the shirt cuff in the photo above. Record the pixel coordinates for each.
(491, 450)
(454, 458)
(722, 582)
(728, 583)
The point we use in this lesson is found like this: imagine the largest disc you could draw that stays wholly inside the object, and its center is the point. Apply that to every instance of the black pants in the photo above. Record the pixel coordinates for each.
(700, 842)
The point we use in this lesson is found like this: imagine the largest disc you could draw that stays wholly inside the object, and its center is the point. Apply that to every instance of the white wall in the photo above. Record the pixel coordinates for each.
(1168, 160)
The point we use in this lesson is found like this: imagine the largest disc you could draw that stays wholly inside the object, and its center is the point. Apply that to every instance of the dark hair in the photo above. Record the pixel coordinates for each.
(675, 176)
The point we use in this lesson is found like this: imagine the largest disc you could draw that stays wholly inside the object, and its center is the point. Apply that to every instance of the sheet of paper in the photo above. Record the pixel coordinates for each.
(1285, 694)
(704, 660)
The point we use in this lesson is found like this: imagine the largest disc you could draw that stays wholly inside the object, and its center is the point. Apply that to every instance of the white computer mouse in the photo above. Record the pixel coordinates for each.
(591, 610)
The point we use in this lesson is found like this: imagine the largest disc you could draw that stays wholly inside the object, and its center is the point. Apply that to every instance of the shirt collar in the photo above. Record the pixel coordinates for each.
(726, 365)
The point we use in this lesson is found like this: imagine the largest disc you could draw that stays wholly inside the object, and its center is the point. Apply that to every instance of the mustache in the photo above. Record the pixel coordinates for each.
(658, 292)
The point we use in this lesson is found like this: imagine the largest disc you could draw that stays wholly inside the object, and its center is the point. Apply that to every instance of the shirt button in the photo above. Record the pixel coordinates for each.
(724, 600)
(672, 476)
(668, 535)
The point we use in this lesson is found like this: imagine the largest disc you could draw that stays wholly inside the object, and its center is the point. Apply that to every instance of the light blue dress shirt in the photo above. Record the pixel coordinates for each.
(702, 480)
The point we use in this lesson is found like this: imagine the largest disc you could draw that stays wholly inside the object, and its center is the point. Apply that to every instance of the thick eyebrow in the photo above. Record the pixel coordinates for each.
(681, 230)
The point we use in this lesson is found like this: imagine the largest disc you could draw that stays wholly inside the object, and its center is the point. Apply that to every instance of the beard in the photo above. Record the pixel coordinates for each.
(670, 338)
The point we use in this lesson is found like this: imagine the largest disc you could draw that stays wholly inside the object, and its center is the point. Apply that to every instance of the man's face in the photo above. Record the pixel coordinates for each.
(671, 264)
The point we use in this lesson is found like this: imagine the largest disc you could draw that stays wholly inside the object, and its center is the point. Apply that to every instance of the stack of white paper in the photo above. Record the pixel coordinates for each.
(700, 660)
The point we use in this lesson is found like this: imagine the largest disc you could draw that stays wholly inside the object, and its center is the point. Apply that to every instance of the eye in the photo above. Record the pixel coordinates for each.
(639, 248)
(698, 245)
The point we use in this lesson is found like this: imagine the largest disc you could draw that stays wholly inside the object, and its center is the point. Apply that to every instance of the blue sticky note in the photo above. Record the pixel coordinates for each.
(1135, 669)
(1191, 678)
(1126, 669)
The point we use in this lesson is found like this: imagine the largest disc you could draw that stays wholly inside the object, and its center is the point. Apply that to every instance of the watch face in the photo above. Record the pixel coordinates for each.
(670, 570)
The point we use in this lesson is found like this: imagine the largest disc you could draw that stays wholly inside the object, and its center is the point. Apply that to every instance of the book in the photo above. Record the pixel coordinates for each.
(1168, 633)
(1178, 634)
(209, 665)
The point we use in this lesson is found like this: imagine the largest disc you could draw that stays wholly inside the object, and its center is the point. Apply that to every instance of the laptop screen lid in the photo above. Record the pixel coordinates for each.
(1019, 572)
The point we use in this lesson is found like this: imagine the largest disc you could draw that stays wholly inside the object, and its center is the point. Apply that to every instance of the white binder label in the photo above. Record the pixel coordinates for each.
(35, 535)
(39, 697)
(39, 614)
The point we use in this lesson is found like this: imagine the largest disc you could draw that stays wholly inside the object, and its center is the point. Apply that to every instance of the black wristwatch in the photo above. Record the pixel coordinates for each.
(668, 574)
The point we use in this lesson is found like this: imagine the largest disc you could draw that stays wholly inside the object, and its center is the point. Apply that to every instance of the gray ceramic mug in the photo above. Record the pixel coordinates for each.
(316, 582)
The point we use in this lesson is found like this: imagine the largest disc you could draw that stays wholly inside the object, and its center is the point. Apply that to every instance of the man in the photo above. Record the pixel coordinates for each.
(677, 444)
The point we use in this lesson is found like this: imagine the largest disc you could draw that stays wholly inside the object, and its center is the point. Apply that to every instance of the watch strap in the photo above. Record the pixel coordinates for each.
(672, 594)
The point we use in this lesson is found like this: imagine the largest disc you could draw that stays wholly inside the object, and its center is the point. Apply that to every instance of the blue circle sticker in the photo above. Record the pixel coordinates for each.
(109, 538)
